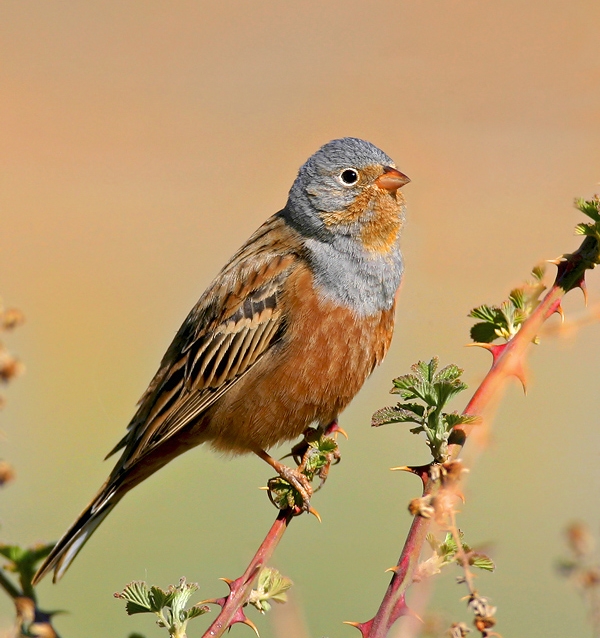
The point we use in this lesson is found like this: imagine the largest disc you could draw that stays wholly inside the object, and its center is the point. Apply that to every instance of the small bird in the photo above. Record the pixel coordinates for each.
(283, 338)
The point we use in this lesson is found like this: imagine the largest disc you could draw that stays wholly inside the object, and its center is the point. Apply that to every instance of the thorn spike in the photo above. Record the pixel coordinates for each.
(393, 569)
(413, 614)
(213, 601)
(516, 369)
(418, 470)
(313, 511)
(495, 349)
(583, 287)
(252, 626)
(520, 374)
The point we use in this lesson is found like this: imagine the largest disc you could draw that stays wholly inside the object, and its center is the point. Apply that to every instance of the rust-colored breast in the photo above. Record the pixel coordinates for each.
(310, 376)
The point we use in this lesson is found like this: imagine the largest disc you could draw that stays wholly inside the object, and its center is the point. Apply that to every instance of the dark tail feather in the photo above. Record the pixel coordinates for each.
(77, 535)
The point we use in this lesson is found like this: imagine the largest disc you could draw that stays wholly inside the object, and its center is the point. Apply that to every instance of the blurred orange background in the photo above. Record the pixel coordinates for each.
(142, 142)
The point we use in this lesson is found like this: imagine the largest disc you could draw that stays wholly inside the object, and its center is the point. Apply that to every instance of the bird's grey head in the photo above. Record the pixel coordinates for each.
(346, 205)
(332, 179)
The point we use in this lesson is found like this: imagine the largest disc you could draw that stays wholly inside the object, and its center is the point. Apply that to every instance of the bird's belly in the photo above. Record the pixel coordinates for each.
(309, 377)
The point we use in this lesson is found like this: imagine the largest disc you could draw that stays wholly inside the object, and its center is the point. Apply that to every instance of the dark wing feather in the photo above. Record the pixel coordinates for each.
(235, 322)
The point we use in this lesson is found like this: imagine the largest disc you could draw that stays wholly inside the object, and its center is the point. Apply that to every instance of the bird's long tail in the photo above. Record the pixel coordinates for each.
(77, 535)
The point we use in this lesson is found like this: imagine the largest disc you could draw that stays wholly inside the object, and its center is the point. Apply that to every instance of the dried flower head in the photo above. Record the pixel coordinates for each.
(458, 630)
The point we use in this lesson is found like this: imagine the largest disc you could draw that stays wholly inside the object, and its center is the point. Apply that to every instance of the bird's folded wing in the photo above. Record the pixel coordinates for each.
(237, 320)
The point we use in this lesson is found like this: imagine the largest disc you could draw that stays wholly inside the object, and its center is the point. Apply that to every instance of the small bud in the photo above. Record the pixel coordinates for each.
(452, 471)
(11, 318)
(580, 539)
(424, 506)
(9, 366)
(7, 473)
(482, 624)
(591, 578)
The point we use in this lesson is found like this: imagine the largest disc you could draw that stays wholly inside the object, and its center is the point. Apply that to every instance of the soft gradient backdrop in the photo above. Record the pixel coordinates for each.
(142, 142)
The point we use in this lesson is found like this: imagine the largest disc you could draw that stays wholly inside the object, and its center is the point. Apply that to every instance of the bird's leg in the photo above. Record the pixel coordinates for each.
(294, 477)
(300, 450)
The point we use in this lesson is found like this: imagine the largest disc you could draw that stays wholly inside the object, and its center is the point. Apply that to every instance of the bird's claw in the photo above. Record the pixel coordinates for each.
(294, 491)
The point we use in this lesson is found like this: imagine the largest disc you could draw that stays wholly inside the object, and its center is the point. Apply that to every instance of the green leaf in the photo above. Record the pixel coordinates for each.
(432, 542)
(449, 546)
(409, 386)
(398, 414)
(426, 371)
(181, 595)
(489, 314)
(450, 372)
(271, 585)
(539, 271)
(517, 297)
(197, 610)
(326, 445)
(482, 562)
(433, 388)
(445, 391)
(282, 494)
(137, 597)
(455, 419)
(160, 598)
(483, 333)
(590, 230)
(590, 207)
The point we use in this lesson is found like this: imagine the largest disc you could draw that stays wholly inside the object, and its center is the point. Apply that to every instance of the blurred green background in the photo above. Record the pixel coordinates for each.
(142, 142)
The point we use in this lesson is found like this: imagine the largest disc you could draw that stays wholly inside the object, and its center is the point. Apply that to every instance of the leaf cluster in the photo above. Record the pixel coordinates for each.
(271, 585)
(446, 552)
(591, 208)
(24, 561)
(505, 320)
(321, 451)
(168, 605)
(432, 389)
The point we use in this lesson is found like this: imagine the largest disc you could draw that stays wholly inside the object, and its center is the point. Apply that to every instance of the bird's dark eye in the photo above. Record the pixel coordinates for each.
(349, 176)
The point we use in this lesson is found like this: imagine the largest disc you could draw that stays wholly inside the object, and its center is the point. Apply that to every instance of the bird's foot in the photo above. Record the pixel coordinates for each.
(290, 490)
(314, 454)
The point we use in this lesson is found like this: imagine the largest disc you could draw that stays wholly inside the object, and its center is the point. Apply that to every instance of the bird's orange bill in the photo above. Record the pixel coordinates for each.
(392, 179)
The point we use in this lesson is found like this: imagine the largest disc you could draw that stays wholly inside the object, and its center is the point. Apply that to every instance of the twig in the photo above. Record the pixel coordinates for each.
(482, 610)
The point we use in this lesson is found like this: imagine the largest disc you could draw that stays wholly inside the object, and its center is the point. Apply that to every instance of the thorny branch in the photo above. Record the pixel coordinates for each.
(508, 360)
(315, 454)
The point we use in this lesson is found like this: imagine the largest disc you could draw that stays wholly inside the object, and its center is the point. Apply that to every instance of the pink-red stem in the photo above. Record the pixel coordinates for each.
(508, 361)
(232, 605)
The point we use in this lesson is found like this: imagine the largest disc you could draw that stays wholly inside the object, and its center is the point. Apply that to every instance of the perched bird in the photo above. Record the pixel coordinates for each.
(283, 338)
